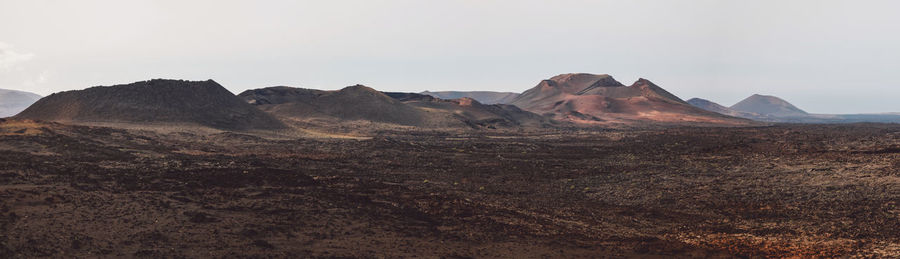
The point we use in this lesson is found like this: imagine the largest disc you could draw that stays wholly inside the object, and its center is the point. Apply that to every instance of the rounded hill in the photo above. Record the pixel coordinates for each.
(769, 105)
(158, 101)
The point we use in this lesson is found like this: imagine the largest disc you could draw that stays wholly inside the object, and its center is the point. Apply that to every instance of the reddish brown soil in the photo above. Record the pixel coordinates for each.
(73, 191)
(601, 100)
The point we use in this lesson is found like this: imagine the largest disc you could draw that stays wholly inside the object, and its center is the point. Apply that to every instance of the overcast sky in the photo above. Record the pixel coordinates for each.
(823, 56)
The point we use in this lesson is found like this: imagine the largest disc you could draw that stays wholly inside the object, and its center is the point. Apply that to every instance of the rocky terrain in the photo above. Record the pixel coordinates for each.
(167, 103)
(601, 100)
(775, 191)
(485, 97)
(170, 168)
(12, 102)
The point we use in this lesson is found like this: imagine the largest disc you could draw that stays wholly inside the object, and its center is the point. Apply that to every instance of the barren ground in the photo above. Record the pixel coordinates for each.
(787, 190)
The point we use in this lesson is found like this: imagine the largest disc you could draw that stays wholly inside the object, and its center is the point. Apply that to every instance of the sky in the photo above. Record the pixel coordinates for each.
(823, 56)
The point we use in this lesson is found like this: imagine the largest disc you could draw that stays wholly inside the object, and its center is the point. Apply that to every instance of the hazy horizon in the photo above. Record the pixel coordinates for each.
(822, 56)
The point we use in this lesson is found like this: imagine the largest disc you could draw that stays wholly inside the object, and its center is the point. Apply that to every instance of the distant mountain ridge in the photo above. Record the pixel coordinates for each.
(566, 99)
(774, 109)
(485, 97)
(12, 102)
(201, 103)
(361, 103)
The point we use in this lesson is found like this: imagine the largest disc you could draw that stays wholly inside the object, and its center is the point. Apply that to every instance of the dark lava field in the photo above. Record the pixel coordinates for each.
(773, 191)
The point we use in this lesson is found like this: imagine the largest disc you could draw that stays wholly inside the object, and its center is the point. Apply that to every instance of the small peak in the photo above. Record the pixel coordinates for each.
(579, 76)
(695, 99)
(769, 105)
(649, 88)
(548, 84)
(763, 97)
(280, 87)
(166, 81)
(701, 102)
(358, 87)
(643, 81)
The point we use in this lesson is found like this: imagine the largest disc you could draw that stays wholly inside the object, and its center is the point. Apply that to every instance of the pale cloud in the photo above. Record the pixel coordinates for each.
(39, 79)
(10, 57)
(17, 71)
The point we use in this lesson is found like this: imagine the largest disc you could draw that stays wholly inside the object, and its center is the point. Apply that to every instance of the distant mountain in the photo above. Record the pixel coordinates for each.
(12, 102)
(715, 107)
(768, 105)
(154, 102)
(853, 118)
(600, 99)
(361, 103)
(485, 97)
(774, 109)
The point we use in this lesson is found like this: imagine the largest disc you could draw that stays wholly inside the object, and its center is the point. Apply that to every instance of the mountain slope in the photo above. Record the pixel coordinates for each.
(484, 97)
(158, 101)
(600, 99)
(13, 102)
(715, 107)
(471, 112)
(768, 105)
(360, 103)
(351, 103)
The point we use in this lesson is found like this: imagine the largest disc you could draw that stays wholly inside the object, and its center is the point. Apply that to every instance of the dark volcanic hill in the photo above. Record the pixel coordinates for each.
(13, 102)
(768, 105)
(351, 103)
(360, 103)
(471, 112)
(485, 97)
(158, 101)
(589, 98)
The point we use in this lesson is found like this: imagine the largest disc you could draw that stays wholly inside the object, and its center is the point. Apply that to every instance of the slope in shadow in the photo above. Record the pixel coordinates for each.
(473, 113)
(361, 103)
(158, 101)
(356, 102)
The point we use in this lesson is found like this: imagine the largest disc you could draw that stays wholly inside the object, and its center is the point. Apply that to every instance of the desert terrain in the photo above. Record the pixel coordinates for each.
(449, 129)
(783, 190)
